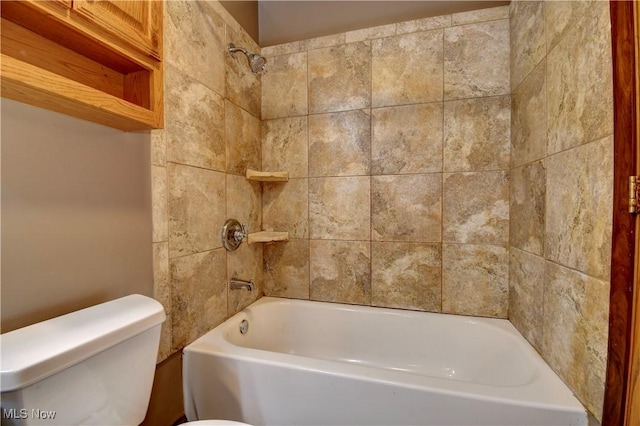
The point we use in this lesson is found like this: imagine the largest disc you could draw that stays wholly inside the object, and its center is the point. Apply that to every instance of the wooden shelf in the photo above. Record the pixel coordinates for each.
(267, 176)
(267, 237)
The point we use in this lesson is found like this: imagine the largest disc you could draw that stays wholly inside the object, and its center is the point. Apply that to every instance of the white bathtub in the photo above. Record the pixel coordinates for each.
(311, 363)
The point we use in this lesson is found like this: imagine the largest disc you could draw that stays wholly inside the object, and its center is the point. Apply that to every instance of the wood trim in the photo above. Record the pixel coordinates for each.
(623, 242)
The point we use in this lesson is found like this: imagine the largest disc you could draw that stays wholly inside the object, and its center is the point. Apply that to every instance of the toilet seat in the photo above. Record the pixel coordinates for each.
(216, 423)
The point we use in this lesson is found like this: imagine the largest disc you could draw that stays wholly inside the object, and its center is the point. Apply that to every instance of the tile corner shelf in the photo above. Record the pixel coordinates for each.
(267, 176)
(267, 237)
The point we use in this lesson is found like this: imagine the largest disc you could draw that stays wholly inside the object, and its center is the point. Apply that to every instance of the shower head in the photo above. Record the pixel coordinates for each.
(257, 63)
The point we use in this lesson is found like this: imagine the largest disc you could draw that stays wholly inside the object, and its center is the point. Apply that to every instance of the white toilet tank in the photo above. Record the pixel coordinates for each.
(90, 367)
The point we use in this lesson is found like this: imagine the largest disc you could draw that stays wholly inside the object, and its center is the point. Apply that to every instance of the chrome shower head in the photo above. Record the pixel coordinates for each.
(257, 63)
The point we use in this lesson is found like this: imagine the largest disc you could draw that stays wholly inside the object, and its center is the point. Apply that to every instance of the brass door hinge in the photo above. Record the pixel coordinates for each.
(634, 194)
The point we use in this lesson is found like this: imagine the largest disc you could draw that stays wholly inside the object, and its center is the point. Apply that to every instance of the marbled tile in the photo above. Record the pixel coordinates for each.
(162, 293)
(165, 347)
(158, 147)
(243, 86)
(529, 119)
(476, 60)
(339, 208)
(281, 49)
(406, 139)
(579, 208)
(285, 207)
(340, 271)
(579, 83)
(322, 42)
(406, 207)
(199, 295)
(196, 209)
(480, 15)
(340, 143)
(160, 216)
(475, 280)
(526, 284)
(406, 276)
(577, 351)
(407, 69)
(194, 42)
(424, 24)
(340, 78)
(243, 140)
(285, 146)
(244, 201)
(477, 134)
(245, 263)
(370, 33)
(286, 269)
(561, 16)
(528, 197)
(193, 122)
(476, 208)
(284, 87)
(527, 36)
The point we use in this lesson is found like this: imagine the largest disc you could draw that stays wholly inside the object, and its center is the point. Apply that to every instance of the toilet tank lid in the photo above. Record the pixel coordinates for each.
(37, 351)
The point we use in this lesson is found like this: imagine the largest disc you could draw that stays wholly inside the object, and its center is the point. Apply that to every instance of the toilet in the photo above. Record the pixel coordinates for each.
(90, 367)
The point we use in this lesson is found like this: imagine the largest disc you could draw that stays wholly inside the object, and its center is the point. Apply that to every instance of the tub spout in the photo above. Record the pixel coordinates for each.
(236, 284)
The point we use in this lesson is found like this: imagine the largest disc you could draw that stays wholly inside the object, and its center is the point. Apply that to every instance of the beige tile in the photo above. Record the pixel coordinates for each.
(476, 208)
(244, 88)
(321, 42)
(370, 33)
(476, 60)
(579, 208)
(193, 122)
(407, 139)
(526, 289)
(286, 207)
(243, 140)
(528, 118)
(162, 293)
(339, 208)
(340, 143)
(245, 263)
(244, 201)
(480, 15)
(165, 349)
(406, 276)
(341, 271)
(340, 78)
(577, 351)
(199, 295)
(407, 69)
(194, 42)
(160, 216)
(475, 280)
(561, 16)
(425, 24)
(286, 269)
(281, 49)
(477, 134)
(285, 146)
(407, 208)
(158, 147)
(284, 87)
(197, 209)
(580, 98)
(527, 36)
(527, 210)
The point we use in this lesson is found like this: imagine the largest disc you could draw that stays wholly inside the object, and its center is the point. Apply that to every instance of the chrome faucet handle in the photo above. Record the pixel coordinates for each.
(232, 234)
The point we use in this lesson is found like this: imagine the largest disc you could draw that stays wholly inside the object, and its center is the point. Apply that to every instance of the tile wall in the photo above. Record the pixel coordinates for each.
(397, 141)
(212, 134)
(562, 186)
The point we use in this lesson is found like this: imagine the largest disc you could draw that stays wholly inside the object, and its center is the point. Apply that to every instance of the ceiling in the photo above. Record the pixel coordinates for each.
(273, 22)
